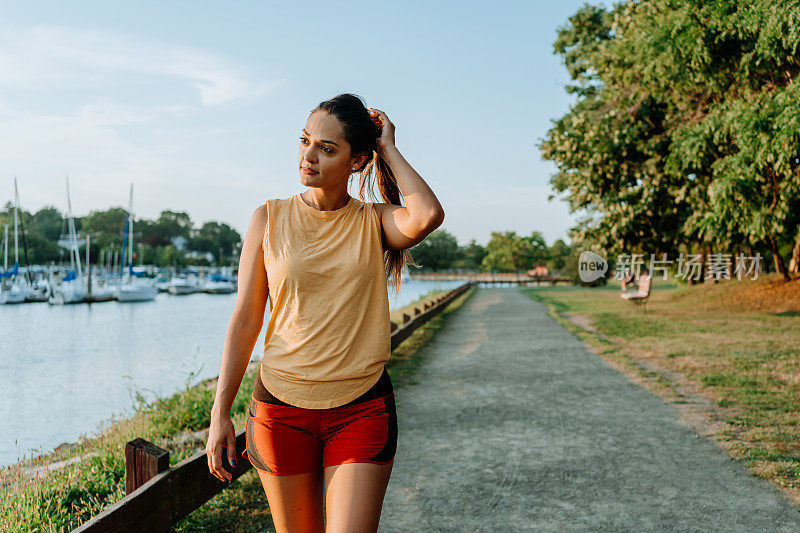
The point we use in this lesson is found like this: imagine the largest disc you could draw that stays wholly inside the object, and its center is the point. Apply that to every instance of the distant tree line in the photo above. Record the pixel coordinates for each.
(505, 252)
(154, 241)
(684, 135)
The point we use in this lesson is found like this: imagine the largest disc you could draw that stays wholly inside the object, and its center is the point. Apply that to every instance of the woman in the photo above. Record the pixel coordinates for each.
(322, 412)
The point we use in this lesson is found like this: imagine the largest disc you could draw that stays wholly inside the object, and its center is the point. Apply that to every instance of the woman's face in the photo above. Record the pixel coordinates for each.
(324, 150)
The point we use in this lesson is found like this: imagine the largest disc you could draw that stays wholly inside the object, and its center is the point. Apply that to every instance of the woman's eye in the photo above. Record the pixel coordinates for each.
(324, 148)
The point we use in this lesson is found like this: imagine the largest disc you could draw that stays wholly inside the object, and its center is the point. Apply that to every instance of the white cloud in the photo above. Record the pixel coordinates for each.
(50, 58)
(70, 104)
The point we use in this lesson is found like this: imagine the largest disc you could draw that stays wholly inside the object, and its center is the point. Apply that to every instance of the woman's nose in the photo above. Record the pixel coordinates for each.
(309, 155)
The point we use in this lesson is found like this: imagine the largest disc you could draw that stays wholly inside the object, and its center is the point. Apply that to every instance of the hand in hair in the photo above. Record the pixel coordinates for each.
(386, 139)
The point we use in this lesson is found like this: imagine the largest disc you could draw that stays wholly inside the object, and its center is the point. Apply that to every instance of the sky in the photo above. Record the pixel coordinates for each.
(200, 104)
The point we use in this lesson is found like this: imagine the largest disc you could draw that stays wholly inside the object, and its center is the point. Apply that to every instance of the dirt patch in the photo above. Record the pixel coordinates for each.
(769, 294)
(584, 322)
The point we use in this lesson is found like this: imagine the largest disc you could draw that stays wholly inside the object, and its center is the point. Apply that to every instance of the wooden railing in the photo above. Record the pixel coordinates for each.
(159, 496)
(489, 277)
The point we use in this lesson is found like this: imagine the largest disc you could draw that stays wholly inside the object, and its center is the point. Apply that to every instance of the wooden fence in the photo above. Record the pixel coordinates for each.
(159, 496)
(490, 278)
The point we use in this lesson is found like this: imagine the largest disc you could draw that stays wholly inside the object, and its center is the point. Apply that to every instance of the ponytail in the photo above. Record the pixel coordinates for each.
(393, 260)
(362, 135)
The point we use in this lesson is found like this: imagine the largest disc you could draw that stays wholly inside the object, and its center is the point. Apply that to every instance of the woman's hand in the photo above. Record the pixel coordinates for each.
(221, 435)
(386, 140)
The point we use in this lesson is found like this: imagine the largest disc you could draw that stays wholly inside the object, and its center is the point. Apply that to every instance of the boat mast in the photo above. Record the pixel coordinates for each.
(126, 237)
(130, 233)
(16, 233)
(24, 242)
(73, 236)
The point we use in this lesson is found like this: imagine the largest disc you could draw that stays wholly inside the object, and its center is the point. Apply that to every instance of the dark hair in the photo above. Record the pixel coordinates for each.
(362, 135)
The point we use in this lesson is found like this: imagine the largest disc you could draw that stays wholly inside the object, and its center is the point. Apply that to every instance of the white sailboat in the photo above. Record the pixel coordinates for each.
(184, 285)
(13, 288)
(72, 289)
(133, 289)
(35, 288)
(10, 290)
(96, 290)
(219, 284)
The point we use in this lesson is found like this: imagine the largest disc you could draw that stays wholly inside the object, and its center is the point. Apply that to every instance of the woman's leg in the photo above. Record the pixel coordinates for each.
(360, 444)
(295, 501)
(282, 447)
(354, 496)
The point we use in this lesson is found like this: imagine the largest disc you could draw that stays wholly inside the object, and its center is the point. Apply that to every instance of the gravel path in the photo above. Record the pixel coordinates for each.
(514, 425)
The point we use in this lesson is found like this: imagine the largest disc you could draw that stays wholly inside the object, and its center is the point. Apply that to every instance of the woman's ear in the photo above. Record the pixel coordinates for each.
(359, 160)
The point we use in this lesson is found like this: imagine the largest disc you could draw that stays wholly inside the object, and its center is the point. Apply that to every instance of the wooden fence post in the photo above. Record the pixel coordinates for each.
(143, 460)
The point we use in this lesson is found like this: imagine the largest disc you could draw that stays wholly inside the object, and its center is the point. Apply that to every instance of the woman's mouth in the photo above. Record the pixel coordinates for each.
(308, 171)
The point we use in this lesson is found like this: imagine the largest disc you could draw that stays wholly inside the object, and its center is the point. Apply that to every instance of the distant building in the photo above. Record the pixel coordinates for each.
(179, 242)
(539, 271)
(195, 255)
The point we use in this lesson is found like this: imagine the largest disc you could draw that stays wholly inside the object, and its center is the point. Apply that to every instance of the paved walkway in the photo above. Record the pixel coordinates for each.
(514, 425)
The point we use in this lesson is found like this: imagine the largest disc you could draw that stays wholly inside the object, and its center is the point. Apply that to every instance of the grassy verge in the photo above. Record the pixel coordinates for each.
(734, 343)
(63, 498)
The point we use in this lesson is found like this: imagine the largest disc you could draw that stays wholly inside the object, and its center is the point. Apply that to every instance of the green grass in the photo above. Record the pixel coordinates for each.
(737, 340)
(65, 498)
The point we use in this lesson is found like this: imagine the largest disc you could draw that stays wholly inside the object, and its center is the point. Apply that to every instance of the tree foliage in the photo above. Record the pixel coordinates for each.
(152, 238)
(685, 132)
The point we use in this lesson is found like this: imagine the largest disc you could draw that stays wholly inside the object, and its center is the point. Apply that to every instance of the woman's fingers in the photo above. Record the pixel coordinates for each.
(378, 115)
(215, 463)
(231, 448)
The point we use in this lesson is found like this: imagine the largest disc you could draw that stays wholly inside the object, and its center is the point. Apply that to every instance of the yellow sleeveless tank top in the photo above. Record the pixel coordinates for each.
(328, 336)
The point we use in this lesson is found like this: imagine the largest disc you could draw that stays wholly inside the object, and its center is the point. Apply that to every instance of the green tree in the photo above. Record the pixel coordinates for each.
(216, 238)
(558, 255)
(684, 133)
(509, 252)
(438, 251)
(47, 221)
(471, 256)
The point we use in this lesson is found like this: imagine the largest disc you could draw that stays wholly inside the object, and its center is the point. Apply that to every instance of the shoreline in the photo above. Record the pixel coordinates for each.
(64, 455)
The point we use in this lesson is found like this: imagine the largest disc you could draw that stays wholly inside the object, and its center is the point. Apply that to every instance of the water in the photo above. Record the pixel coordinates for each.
(64, 370)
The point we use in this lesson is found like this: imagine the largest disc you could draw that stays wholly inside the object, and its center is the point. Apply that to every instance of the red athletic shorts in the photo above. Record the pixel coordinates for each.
(284, 439)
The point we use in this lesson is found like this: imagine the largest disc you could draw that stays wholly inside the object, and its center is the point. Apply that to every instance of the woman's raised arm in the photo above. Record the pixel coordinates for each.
(405, 226)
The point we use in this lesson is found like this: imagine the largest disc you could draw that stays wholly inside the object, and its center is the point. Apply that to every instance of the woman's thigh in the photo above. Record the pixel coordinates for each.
(360, 444)
(354, 495)
(282, 446)
(295, 501)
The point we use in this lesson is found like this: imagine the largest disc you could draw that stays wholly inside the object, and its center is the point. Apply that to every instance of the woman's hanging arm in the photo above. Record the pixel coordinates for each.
(248, 314)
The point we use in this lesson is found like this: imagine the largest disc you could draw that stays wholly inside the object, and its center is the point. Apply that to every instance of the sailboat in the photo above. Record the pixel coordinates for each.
(96, 291)
(72, 289)
(18, 288)
(134, 289)
(11, 292)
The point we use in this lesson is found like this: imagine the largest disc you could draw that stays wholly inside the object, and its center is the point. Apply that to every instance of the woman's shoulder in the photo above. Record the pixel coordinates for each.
(280, 200)
(276, 204)
(260, 216)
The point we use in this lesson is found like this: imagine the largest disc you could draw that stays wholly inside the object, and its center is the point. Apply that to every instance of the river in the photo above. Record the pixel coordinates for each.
(66, 371)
